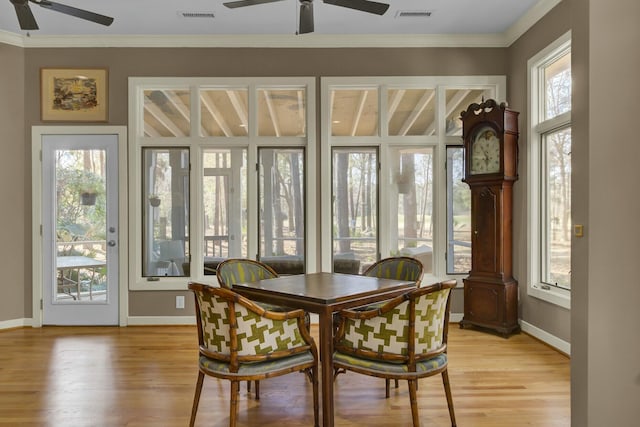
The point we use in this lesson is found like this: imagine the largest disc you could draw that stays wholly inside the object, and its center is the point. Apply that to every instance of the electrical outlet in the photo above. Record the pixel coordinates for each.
(180, 301)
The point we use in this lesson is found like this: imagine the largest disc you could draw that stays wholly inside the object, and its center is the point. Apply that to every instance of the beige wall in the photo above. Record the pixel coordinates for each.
(15, 216)
(613, 337)
(541, 314)
(124, 63)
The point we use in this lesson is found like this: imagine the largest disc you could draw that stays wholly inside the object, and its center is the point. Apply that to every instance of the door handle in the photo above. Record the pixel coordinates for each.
(111, 243)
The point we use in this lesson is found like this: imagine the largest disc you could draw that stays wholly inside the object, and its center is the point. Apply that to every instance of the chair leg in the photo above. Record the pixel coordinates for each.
(196, 398)
(447, 391)
(414, 403)
(316, 404)
(386, 388)
(397, 384)
(233, 407)
(257, 390)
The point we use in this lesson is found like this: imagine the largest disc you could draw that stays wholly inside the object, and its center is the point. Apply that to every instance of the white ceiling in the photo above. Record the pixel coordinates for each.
(138, 18)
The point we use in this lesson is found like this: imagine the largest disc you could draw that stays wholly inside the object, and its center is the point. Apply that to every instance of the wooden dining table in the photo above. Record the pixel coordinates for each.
(324, 294)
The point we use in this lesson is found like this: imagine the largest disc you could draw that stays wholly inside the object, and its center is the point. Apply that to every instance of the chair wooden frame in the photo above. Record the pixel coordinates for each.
(233, 362)
(411, 359)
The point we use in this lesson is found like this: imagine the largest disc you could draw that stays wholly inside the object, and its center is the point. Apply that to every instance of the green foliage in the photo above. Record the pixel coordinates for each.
(74, 220)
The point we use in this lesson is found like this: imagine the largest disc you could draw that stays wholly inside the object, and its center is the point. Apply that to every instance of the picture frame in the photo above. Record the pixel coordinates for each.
(74, 94)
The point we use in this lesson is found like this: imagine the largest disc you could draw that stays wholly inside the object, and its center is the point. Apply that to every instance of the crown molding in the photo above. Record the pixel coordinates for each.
(528, 20)
(315, 40)
(259, 41)
(12, 39)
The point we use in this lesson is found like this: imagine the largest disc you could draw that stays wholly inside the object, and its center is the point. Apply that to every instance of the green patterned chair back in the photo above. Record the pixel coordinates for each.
(232, 271)
(254, 333)
(410, 327)
(399, 268)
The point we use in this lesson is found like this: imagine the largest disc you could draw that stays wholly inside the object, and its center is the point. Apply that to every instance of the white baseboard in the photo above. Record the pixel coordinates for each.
(546, 337)
(160, 320)
(455, 317)
(15, 323)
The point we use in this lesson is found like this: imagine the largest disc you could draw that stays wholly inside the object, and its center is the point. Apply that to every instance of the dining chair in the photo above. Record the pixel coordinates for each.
(241, 341)
(405, 339)
(398, 268)
(239, 270)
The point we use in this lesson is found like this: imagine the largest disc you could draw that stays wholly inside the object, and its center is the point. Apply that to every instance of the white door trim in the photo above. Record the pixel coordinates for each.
(36, 208)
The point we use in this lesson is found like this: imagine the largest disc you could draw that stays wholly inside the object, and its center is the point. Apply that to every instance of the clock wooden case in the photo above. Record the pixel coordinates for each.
(490, 135)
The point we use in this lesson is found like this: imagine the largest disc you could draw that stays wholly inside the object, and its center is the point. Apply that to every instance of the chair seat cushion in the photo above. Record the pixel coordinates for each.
(213, 366)
(423, 367)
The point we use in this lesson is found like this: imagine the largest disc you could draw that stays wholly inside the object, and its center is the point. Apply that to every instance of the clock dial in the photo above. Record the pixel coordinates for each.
(485, 152)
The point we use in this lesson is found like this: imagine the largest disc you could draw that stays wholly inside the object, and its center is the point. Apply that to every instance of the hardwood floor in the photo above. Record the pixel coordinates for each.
(145, 376)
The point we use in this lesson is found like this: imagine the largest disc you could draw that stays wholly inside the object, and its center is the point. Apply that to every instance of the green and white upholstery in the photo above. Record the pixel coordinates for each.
(241, 341)
(232, 271)
(404, 339)
(399, 268)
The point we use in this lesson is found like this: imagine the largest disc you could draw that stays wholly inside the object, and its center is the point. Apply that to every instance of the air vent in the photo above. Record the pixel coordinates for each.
(196, 14)
(413, 14)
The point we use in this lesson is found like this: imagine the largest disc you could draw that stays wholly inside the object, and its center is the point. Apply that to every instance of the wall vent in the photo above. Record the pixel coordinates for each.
(184, 14)
(413, 14)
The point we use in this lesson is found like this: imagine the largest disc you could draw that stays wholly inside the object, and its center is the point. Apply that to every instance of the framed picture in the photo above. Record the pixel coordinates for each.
(74, 94)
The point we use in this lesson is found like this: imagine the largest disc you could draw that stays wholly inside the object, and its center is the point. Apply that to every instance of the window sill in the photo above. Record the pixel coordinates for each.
(555, 296)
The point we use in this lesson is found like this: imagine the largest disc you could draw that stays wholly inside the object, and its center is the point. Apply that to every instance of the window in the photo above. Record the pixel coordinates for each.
(281, 192)
(355, 206)
(550, 173)
(385, 188)
(218, 170)
(458, 214)
(165, 203)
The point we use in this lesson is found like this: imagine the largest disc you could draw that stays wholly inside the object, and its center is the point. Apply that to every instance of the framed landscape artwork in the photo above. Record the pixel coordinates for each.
(74, 94)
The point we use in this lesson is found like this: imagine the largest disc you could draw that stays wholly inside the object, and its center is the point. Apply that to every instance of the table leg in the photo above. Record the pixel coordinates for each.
(326, 361)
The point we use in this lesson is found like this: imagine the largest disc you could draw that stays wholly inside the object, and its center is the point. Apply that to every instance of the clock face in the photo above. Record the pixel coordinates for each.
(485, 152)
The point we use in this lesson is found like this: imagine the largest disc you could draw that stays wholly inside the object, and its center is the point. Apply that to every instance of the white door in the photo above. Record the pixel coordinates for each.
(80, 229)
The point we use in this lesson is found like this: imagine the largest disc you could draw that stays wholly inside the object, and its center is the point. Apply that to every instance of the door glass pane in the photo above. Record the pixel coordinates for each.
(167, 113)
(458, 214)
(459, 100)
(281, 186)
(411, 111)
(80, 203)
(282, 112)
(412, 203)
(224, 198)
(557, 209)
(165, 207)
(224, 112)
(355, 208)
(354, 112)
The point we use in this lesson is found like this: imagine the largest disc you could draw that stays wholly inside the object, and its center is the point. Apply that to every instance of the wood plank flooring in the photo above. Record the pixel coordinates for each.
(145, 376)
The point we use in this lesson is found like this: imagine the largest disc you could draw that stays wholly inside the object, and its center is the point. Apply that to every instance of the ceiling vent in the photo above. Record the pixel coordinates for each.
(413, 14)
(196, 14)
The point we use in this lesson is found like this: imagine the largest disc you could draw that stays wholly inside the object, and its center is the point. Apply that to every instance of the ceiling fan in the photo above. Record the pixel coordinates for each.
(28, 22)
(306, 9)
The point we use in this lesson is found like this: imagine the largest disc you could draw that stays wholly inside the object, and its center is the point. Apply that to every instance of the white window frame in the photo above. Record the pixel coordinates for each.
(538, 128)
(496, 85)
(197, 143)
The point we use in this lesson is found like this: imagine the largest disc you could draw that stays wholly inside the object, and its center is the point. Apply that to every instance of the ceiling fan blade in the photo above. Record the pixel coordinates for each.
(73, 11)
(25, 16)
(361, 5)
(306, 17)
(243, 3)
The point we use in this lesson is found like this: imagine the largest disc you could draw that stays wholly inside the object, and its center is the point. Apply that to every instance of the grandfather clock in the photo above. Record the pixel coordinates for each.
(490, 134)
